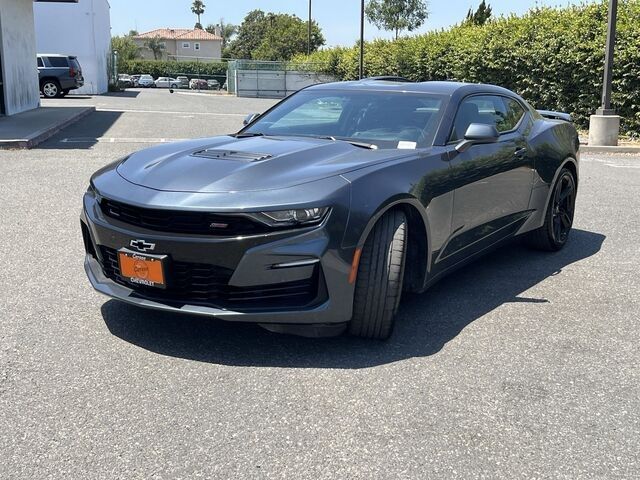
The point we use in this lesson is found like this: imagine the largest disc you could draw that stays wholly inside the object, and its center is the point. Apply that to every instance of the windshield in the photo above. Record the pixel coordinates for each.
(381, 118)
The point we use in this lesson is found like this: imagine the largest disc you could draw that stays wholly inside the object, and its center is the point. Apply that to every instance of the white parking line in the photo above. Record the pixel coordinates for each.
(118, 140)
(124, 110)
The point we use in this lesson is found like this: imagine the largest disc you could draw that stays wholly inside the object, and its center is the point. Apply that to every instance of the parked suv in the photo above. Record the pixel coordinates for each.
(59, 74)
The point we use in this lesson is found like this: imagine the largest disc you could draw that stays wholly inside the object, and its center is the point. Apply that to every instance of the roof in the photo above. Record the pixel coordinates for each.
(178, 34)
(442, 88)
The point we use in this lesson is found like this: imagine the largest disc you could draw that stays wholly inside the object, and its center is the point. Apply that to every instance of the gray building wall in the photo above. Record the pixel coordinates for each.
(18, 50)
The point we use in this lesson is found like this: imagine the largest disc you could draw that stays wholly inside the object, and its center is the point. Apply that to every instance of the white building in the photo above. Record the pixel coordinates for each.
(82, 29)
(18, 73)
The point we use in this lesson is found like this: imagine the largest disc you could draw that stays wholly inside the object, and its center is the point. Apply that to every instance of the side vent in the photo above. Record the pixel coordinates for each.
(232, 155)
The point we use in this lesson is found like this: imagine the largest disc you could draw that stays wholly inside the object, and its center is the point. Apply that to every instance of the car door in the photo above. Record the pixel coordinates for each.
(492, 181)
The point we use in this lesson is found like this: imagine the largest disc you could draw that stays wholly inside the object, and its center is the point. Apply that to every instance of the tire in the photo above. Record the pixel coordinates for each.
(174, 86)
(51, 89)
(558, 221)
(380, 275)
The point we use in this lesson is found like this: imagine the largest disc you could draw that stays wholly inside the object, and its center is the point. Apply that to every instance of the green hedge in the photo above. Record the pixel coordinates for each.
(553, 57)
(162, 68)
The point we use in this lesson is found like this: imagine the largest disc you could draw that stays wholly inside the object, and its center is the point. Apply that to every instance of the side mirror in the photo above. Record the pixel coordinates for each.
(478, 133)
(171, 90)
(250, 118)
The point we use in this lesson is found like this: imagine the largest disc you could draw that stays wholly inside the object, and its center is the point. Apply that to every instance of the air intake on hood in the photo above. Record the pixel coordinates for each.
(232, 155)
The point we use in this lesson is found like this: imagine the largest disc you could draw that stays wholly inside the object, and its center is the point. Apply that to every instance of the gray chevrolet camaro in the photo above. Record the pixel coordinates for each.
(320, 212)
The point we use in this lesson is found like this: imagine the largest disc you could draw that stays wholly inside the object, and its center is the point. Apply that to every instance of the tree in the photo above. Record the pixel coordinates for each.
(397, 15)
(198, 7)
(156, 45)
(126, 48)
(273, 36)
(133, 33)
(481, 16)
(227, 30)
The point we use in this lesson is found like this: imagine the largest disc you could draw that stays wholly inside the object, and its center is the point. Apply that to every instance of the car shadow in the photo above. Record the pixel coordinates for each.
(425, 322)
(82, 135)
(123, 94)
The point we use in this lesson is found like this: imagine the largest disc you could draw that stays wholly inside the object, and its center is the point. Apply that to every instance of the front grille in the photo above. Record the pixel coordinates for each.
(175, 221)
(202, 284)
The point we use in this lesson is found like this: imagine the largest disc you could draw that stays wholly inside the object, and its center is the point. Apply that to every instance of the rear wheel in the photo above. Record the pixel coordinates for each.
(379, 280)
(51, 89)
(553, 235)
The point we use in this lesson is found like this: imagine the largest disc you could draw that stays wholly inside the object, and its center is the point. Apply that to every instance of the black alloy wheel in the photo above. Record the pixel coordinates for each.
(563, 207)
(553, 235)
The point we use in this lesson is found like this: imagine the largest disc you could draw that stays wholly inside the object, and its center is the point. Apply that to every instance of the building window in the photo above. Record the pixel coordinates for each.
(186, 45)
(163, 45)
(196, 46)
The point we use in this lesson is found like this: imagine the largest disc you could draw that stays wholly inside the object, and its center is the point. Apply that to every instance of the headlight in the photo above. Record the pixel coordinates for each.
(283, 218)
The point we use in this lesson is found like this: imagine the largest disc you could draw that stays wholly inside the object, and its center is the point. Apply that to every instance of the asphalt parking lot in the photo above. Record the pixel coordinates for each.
(522, 365)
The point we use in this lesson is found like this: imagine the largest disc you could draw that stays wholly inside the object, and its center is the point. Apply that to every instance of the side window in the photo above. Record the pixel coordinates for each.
(40, 64)
(501, 112)
(58, 62)
(513, 114)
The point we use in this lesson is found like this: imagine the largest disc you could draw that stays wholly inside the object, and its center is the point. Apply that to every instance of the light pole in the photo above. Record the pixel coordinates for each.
(606, 109)
(361, 39)
(604, 126)
(309, 31)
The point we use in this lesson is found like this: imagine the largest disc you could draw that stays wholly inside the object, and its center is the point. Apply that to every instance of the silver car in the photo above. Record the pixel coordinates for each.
(167, 82)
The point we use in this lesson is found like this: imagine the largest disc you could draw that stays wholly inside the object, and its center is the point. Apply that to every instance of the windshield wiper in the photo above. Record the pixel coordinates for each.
(247, 135)
(369, 146)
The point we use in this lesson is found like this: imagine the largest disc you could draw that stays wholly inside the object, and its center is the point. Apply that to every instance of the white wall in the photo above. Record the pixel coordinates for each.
(82, 29)
(18, 49)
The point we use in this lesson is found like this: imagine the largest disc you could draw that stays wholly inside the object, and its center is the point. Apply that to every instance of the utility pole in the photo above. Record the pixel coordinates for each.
(605, 108)
(361, 39)
(309, 31)
(604, 126)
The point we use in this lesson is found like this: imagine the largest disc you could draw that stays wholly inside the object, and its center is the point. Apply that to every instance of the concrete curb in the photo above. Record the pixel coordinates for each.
(618, 149)
(36, 138)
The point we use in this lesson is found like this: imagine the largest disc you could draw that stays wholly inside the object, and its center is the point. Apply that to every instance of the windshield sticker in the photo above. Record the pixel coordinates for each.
(403, 145)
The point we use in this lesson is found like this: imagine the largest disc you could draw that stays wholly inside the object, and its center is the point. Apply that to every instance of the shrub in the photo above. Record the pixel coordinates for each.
(163, 68)
(553, 57)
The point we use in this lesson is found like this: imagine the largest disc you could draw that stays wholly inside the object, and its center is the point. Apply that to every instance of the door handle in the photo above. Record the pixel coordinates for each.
(520, 153)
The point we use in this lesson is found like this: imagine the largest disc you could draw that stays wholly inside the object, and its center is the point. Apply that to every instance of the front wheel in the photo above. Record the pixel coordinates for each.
(553, 235)
(379, 280)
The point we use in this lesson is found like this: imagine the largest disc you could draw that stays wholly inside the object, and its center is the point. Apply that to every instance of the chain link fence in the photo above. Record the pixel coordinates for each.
(243, 78)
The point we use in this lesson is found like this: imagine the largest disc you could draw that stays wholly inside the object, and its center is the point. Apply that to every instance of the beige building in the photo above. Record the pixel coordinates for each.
(182, 44)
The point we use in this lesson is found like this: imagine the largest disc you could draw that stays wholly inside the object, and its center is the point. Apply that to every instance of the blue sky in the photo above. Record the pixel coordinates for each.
(339, 19)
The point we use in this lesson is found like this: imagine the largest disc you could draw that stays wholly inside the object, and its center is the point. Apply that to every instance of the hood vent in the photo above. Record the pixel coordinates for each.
(232, 155)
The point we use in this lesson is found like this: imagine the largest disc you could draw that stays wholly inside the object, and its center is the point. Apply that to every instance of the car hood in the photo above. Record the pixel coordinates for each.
(229, 164)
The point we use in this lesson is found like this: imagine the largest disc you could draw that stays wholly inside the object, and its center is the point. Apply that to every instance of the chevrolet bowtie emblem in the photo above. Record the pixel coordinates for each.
(142, 246)
(218, 225)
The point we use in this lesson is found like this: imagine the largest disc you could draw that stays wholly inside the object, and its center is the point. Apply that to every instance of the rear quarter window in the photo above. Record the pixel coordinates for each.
(58, 62)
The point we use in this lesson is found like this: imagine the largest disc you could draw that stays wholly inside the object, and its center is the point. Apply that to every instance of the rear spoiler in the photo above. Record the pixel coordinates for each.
(555, 115)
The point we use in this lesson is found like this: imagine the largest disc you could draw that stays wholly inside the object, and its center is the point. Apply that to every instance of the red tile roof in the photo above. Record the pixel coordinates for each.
(179, 34)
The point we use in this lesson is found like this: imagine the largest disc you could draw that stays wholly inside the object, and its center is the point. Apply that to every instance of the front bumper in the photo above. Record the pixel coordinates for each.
(250, 259)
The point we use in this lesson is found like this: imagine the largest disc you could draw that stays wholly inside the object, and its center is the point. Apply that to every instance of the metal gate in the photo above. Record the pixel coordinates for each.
(249, 78)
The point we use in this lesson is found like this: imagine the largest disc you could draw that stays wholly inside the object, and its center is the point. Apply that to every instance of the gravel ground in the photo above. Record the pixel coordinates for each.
(522, 365)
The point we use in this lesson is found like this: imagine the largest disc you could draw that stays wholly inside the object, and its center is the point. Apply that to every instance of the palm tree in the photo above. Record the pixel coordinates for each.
(198, 8)
(226, 31)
